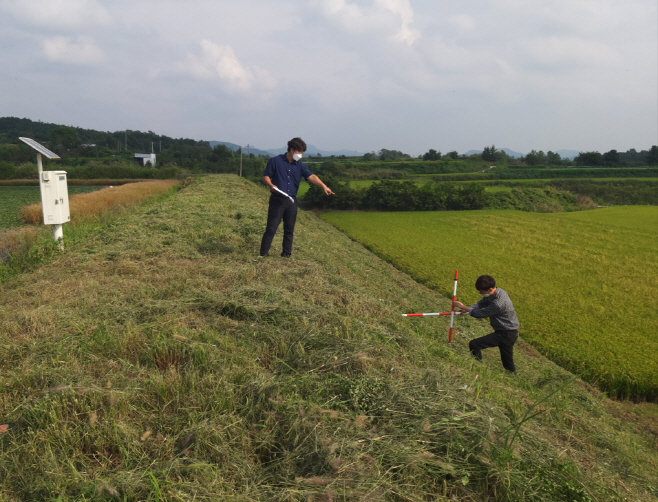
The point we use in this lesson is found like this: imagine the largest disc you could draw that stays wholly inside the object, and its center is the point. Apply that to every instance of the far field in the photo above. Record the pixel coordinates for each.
(13, 198)
(584, 283)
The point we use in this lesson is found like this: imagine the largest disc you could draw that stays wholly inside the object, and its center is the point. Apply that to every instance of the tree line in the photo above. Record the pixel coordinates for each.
(78, 143)
(560, 195)
(611, 158)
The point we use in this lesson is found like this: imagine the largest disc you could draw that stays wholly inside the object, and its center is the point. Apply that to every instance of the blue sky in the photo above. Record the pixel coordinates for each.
(362, 75)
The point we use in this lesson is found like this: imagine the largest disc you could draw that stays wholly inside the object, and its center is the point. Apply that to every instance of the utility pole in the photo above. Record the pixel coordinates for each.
(126, 137)
(240, 162)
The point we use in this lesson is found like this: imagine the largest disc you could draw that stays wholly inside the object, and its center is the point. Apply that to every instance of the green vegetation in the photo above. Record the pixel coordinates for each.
(101, 154)
(583, 283)
(389, 195)
(16, 197)
(115, 169)
(520, 174)
(157, 359)
(526, 195)
(586, 186)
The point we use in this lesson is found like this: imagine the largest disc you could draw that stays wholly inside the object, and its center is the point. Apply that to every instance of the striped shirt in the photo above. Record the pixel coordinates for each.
(499, 309)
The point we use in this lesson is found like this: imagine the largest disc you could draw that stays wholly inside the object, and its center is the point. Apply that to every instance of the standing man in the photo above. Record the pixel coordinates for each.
(497, 306)
(284, 172)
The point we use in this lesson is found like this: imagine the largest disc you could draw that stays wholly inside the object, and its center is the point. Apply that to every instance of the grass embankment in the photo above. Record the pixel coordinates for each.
(572, 276)
(157, 359)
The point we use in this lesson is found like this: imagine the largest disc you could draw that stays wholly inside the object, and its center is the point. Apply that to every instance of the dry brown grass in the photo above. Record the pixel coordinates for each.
(92, 205)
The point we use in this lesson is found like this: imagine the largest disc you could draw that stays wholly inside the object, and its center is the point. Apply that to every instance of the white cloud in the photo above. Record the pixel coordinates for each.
(79, 51)
(219, 62)
(354, 71)
(463, 22)
(384, 16)
(59, 14)
(570, 50)
(403, 9)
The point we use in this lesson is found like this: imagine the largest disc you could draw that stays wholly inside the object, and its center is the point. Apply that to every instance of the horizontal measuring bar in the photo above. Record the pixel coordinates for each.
(434, 313)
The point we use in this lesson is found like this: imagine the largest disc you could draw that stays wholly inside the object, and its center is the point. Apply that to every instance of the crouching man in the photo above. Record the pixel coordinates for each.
(497, 306)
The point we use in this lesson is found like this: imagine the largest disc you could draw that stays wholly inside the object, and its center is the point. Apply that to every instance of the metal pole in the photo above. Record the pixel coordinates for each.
(58, 235)
(452, 309)
(39, 167)
(240, 162)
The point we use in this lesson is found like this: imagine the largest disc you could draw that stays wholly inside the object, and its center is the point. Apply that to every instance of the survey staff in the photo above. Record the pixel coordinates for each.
(282, 175)
(498, 307)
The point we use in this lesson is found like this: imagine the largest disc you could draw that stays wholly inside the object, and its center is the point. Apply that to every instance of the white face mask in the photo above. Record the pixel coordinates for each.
(485, 295)
(296, 156)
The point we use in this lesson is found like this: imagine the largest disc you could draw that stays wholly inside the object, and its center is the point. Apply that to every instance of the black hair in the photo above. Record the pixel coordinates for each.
(296, 145)
(485, 283)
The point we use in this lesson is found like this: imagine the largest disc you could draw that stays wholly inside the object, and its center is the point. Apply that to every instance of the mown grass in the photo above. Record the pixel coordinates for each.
(28, 246)
(159, 359)
(14, 198)
(571, 276)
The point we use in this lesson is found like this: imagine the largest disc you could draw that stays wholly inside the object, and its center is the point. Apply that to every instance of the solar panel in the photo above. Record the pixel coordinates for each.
(39, 148)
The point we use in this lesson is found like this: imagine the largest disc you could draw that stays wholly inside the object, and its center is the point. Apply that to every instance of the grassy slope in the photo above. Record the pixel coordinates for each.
(564, 271)
(156, 359)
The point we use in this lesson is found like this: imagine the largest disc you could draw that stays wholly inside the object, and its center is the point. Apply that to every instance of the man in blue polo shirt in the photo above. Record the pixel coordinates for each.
(283, 174)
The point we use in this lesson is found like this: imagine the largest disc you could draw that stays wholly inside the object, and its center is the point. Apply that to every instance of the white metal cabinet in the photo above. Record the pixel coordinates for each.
(54, 198)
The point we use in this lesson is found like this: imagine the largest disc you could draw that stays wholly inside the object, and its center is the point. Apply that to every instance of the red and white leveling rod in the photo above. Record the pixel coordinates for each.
(452, 312)
(432, 313)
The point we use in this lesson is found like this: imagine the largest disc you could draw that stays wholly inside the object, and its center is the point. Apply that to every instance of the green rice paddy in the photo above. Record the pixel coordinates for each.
(585, 284)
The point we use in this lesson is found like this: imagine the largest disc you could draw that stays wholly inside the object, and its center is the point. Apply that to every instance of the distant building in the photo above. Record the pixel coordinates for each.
(145, 158)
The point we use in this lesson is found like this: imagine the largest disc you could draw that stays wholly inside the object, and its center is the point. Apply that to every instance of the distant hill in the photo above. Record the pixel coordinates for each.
(568, 154)
(511, 153)
(310, 150)
(313, 150)
(565, 154)
(235, 148)
(11, 128)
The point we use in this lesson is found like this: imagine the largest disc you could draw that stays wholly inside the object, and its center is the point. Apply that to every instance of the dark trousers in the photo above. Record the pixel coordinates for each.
(504, 340)
(281, 208)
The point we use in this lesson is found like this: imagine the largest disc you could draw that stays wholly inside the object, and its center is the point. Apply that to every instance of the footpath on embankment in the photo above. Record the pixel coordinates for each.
(158, 358)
